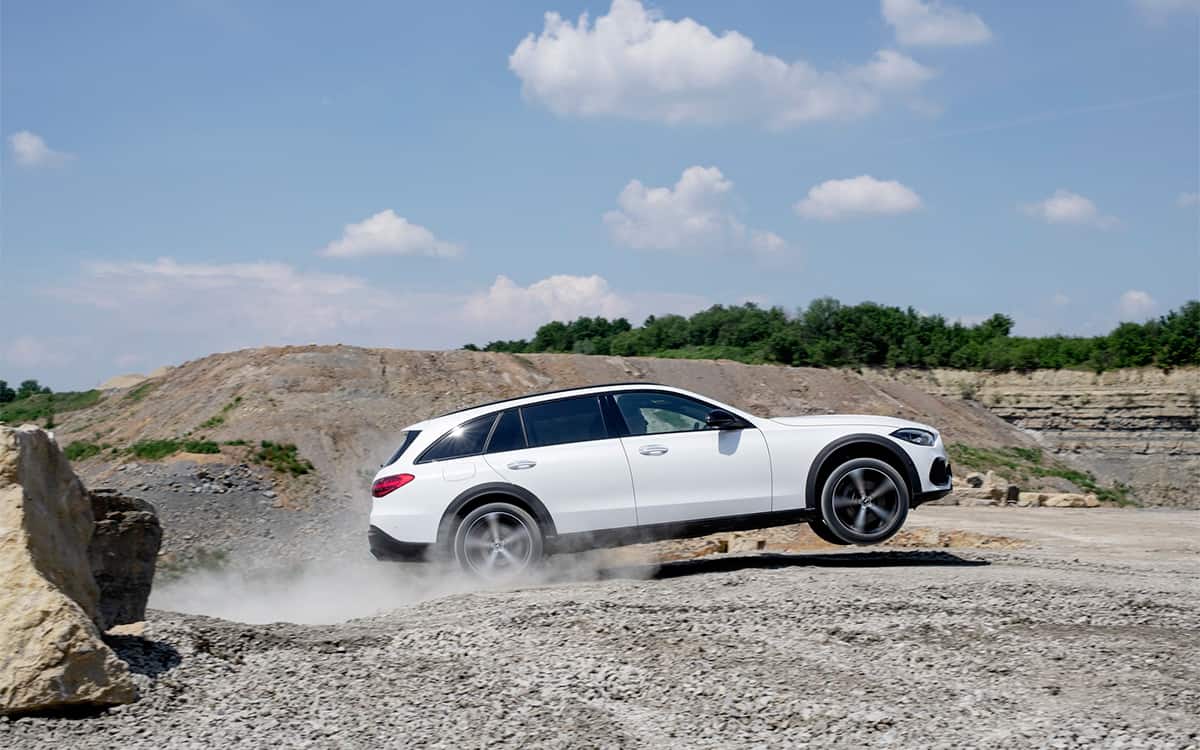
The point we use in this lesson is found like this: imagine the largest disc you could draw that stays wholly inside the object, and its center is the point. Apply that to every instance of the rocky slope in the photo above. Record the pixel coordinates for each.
(343, 407)
(1138, 426)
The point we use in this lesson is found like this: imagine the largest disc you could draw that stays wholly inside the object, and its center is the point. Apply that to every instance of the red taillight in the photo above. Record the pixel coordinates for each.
(387, 484)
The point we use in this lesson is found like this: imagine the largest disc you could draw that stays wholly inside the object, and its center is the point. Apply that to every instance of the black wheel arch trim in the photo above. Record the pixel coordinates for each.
(811, 497)
(497, 488)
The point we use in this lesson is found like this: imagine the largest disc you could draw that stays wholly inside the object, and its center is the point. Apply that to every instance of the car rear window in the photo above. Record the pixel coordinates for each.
(465, 440)
(569, 420)
(406, 439)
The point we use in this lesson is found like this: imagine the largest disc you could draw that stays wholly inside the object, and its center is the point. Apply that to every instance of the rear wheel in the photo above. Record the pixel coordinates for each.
(498, 542)
(864, 501)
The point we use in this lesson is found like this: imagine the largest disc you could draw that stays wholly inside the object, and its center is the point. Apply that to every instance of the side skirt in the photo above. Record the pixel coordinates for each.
(584, 540)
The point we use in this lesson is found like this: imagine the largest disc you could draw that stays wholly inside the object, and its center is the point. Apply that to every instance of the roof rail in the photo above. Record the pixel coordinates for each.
(545, 393)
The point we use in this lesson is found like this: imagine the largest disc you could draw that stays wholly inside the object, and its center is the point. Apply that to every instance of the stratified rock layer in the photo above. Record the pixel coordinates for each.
(51, 652)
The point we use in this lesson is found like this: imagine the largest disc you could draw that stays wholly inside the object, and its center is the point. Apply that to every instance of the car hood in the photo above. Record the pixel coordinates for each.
(849, 420)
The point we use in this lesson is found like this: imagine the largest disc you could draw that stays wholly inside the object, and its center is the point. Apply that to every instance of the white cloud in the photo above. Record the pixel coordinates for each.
(385, 233)
(1136, 304)
(1186, 200)
(1158, 10)
(30, 150)
(634, 63)
(694, 216)
(857, 196)
(1065, 207)
(169, 311)
(933, 23)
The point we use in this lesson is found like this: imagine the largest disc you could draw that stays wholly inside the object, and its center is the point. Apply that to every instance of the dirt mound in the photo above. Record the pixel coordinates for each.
(343, 406)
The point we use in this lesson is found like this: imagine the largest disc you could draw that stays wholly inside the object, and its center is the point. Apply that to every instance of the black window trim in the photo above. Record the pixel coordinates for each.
(625, 427)
(610, 416)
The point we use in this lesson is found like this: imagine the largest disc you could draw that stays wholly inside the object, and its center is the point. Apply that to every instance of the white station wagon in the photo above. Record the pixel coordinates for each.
(497, 487)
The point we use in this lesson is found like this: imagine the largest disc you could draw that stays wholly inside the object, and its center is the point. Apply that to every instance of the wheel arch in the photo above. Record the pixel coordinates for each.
(861, 445)
(481, 494)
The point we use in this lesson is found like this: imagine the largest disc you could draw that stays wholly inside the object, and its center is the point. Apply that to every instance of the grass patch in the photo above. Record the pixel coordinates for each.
(153, 450)
(218, 419)
(239, 441)
(282, 457)
(46, 405)
(1024, 464)
(140, 392)
(81, 449)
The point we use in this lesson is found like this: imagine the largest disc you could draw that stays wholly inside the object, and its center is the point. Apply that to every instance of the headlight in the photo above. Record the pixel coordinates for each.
(913, 435)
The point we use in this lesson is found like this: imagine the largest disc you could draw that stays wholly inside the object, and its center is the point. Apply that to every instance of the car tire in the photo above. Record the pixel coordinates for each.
(497, 542)
(822, 531)
(864, 501)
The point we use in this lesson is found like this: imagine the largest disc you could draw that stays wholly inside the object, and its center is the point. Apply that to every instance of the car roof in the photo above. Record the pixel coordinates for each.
(459, 416)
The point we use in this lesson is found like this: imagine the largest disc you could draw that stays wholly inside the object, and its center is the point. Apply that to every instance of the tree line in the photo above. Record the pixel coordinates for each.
(26, 389)
(830, 334)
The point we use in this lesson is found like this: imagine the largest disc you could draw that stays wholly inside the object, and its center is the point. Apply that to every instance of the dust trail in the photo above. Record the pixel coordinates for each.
(340, 590)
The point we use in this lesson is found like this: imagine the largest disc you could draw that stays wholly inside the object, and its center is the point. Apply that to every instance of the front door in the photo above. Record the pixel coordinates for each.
(685, 471)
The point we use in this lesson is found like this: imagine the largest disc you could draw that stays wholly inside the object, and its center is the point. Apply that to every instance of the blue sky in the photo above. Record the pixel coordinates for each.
(196, 176)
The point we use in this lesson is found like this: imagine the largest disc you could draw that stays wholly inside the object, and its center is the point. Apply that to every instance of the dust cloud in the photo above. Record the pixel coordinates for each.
(322, 593)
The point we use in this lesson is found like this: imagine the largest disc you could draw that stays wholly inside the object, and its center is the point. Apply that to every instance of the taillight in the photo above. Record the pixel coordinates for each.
(385, 485)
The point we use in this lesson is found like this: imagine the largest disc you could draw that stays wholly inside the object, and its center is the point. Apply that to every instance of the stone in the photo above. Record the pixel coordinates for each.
(972, 501)
(746, 544)
(52, 655)
(1029, 499)
(975, 479)
(122, 553)
(1068, 500)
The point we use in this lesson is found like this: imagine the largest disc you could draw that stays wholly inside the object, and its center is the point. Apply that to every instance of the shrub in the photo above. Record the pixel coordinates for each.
(200, 446)
(46, 406)
(81, 449)
(283, 458)
(152, 450)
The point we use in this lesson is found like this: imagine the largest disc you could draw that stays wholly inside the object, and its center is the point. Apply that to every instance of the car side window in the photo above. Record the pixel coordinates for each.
(508, 435)
(568, 420)
(465, 440)
(653, 413)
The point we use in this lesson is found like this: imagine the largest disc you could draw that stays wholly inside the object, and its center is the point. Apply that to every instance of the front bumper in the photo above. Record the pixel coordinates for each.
(383, 547)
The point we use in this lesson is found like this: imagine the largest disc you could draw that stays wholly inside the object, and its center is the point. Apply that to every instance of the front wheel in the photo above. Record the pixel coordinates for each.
(498, 542)
(864, 501)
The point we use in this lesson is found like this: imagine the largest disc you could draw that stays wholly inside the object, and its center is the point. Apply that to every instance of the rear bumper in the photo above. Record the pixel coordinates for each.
(925, 497)
(383, 547)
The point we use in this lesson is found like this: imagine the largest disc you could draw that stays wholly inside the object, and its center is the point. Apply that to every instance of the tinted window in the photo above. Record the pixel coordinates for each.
(406, 439)
(465, 440)
(650, 413)
(508, 435)
(567, 421)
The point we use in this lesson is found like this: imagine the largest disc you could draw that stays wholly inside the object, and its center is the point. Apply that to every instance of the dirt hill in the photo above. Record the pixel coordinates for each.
(343, 406)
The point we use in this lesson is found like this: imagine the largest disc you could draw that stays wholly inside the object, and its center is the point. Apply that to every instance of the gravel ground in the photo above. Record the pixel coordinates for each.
(1087, 637)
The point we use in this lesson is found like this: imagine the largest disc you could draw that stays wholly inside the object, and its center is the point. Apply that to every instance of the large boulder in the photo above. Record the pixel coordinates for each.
(123, 552)
(51, 652)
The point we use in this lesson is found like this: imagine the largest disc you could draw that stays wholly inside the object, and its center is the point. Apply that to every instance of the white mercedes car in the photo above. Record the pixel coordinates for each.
(497, 487)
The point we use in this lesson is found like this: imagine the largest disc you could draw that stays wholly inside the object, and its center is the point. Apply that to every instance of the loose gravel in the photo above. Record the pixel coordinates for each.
(1059, 647)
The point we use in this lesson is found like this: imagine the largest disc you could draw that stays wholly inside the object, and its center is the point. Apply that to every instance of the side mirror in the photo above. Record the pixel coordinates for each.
(720, 419)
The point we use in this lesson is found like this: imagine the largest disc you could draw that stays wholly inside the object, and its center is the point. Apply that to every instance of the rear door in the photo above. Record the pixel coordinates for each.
(561, 451)
(685, 471)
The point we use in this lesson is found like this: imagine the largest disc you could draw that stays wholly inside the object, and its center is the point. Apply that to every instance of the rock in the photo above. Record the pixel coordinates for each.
(975, 479)
(1029, 499)
(971, 501)
(1068, 500)
(745, 544)
(51, 652)
(123, 552)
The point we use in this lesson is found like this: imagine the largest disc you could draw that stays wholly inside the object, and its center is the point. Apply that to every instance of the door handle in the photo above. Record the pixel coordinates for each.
(525, 464)
(652, 450)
